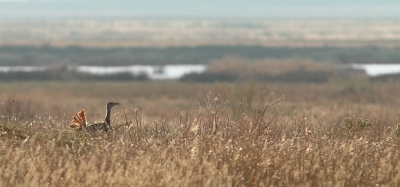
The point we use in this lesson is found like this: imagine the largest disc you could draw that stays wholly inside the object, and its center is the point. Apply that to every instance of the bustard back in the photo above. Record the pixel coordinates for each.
(79, 120)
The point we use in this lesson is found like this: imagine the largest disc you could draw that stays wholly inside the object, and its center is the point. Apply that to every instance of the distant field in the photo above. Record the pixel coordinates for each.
(162, 33)
(159, 98)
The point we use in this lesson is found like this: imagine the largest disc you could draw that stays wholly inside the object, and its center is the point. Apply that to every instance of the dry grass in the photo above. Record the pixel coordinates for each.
(176, 134)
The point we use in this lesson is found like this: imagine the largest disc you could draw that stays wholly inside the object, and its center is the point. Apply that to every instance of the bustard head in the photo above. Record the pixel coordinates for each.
(111, 104)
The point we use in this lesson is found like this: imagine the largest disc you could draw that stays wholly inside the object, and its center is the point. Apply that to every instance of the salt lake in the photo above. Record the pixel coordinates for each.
(377, 69)
(154, 72)
(177, 71)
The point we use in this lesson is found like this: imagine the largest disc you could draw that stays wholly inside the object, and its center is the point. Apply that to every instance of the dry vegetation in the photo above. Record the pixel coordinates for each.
(247, 67)
(272, 70)
(340, 132)
(220, 134)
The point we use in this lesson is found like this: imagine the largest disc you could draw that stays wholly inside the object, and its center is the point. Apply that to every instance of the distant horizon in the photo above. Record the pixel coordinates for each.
(195, 9)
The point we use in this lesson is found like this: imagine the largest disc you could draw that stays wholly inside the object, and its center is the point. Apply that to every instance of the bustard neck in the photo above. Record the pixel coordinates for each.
(108, 113)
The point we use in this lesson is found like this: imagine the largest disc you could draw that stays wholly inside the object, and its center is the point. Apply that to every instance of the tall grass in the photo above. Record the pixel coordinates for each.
(235, 135)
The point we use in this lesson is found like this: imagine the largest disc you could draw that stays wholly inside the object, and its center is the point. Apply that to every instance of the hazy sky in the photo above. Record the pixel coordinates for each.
(200, 8)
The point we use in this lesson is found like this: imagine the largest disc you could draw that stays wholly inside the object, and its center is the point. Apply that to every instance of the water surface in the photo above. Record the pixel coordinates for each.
(377, 69)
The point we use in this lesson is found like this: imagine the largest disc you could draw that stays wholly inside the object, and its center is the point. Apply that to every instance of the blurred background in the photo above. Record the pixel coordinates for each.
(199, 40)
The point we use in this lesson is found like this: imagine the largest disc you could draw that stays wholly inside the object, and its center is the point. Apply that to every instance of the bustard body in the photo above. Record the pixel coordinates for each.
(79, 120)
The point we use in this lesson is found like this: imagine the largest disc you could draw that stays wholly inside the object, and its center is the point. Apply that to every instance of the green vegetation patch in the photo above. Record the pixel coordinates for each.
(9, 130)
(355, 126)
(78, 140)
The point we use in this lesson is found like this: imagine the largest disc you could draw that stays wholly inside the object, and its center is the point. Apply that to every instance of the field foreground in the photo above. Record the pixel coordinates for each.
(220, 134)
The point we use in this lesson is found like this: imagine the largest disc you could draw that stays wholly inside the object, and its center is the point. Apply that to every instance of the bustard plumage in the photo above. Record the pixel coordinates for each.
(79, 120)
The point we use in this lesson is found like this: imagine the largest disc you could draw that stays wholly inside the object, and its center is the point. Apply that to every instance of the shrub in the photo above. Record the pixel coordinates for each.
(359, 125)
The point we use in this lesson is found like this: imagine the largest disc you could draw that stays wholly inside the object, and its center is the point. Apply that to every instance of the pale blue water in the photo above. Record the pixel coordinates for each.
(154, 72)
(377, 69)
(177, 71)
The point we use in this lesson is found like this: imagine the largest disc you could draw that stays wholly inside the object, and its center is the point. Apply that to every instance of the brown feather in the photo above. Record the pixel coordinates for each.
(82, 116)
(79, 120)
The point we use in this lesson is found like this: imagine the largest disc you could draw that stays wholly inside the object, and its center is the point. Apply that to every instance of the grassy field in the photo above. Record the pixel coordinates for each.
(341, 133)
(289, 117)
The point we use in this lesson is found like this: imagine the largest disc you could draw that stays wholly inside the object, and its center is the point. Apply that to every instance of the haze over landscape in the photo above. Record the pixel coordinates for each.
(289, 9)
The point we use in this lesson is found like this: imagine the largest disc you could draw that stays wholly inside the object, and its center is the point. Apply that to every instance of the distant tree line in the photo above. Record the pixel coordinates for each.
(289, 77)
(63, 74)
(74, 55)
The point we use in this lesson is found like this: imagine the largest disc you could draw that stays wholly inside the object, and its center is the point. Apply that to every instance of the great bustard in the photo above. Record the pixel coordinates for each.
(79, 120)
